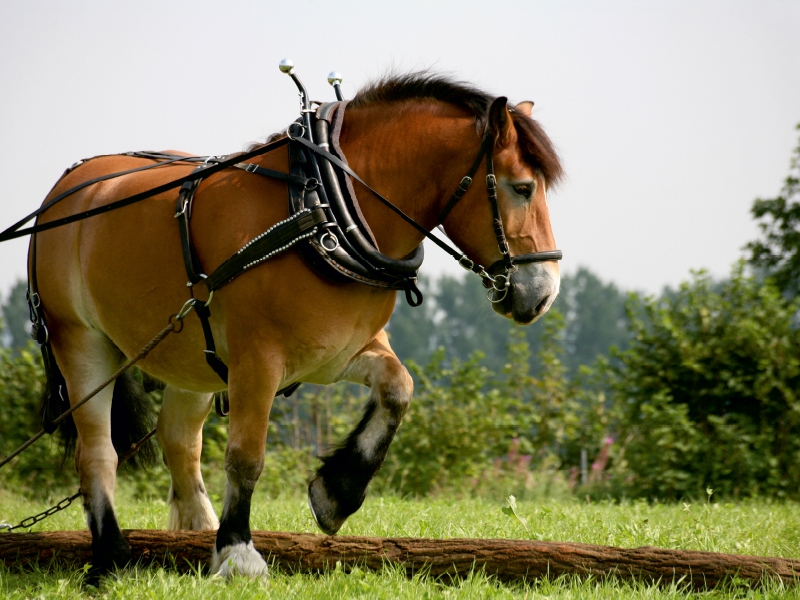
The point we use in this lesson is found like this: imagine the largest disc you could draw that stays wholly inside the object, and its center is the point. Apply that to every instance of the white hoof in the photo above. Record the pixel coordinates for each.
(195, 514)
(238, 559)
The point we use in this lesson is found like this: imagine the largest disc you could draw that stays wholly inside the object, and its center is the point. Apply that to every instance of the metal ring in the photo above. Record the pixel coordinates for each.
(500, 299)
(335, 241)
(175, 320)
(505, 286)
(289, 130)
(311, 184)
(211, 295)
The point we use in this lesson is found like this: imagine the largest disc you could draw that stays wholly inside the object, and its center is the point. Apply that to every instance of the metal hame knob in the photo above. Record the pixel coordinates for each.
(286, 66)
(334, 77)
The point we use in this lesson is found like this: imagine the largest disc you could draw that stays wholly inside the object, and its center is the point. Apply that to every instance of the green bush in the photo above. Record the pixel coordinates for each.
(474, 431)
(707, 393)
(40, 466)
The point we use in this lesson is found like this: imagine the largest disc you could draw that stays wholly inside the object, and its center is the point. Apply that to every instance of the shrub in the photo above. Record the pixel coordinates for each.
(40, 466)
(708, 391)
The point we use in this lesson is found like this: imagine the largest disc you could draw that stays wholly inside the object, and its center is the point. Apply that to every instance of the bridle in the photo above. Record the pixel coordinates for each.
(499, 283)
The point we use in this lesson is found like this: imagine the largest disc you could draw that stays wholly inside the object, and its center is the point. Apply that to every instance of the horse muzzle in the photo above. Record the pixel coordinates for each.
(533, 289)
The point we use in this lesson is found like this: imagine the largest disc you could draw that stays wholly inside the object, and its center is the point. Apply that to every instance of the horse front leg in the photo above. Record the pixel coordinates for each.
(252, 391)
(340, 486)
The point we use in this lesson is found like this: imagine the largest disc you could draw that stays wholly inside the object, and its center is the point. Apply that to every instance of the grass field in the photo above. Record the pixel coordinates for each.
(751, 527)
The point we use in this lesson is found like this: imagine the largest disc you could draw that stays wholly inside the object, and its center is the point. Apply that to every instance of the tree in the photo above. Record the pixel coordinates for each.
(778, 253)
(596, 318)
(411, 329)
(17, 317)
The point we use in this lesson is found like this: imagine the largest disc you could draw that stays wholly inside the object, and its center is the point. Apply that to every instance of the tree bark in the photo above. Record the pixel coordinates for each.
(509, 560)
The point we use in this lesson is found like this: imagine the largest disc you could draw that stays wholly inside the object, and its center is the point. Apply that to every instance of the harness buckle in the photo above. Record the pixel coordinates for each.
(182, 211)
(466, 263)
(466, 181)
(491, 181)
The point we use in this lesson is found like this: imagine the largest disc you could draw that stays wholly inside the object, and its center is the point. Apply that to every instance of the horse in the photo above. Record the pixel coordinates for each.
(107, 283)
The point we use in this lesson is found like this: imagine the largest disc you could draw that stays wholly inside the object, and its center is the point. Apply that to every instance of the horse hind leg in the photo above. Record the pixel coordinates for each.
(340, 486)
(180, 433)
(86, 358)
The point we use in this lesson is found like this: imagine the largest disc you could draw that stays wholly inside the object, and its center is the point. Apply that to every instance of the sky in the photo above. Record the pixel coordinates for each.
(670, 117)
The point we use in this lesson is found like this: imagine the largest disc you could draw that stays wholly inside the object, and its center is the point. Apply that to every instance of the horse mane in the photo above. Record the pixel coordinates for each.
(536, 146)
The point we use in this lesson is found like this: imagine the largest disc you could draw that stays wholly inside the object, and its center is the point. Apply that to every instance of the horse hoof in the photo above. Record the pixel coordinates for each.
(324, 509)
(238, 559)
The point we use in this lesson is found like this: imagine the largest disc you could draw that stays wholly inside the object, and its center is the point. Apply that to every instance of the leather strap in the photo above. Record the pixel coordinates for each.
(214, 361)
(14, 231)
(276, 239)
(6, 234)
(521, 259)
(468, 265)
(183, 212)
(464, 185)
(252, 168)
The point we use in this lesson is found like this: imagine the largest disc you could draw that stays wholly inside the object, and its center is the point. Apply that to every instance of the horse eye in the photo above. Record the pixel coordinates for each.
(524, 189)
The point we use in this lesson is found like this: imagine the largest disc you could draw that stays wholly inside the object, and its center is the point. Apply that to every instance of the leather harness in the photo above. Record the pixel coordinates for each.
(325, 223)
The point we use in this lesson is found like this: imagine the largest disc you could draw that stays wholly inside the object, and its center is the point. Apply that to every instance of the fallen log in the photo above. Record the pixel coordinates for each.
(509, 560)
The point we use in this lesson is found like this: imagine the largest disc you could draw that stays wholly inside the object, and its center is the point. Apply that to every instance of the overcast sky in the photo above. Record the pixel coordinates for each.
(671, 117)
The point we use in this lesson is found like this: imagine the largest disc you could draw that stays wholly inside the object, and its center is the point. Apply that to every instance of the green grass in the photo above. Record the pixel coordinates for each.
(750, 527)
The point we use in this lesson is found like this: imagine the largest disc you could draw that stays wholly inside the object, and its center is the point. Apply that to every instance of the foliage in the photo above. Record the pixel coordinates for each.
(778, 252)
(596, 319)
(21, 378)
(707, 393)
(469, 428)
(16, 316)
(457, 316)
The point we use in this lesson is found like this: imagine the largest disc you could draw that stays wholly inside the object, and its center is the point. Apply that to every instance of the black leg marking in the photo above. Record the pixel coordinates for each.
(340, 486)
(109, 548)
(234, 526)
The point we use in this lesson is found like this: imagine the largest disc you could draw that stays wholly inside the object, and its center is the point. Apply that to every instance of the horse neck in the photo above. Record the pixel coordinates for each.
(413, 154)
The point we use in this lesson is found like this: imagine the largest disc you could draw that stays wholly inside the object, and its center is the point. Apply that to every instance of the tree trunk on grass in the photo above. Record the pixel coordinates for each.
(509, 560)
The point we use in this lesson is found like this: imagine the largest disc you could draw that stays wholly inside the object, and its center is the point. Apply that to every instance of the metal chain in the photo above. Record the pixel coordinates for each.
(28, 522)
(32, 520)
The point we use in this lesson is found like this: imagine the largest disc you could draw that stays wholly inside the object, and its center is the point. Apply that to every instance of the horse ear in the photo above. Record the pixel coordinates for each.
(524, 108)
(501, 122)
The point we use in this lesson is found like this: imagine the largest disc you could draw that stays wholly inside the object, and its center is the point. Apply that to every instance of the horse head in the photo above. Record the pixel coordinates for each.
(525, 166)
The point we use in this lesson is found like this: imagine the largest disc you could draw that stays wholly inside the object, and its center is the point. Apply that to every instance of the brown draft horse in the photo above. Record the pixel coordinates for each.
(107, 284)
